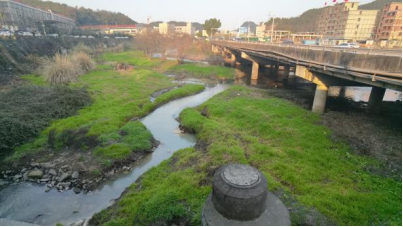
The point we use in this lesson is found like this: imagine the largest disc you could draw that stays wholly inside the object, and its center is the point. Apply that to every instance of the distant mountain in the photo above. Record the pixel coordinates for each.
(83, 16)
(376, 5)
(307, 21)
(251, 25)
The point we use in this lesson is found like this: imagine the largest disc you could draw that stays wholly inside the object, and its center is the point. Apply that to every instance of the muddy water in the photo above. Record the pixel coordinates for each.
(30, 203)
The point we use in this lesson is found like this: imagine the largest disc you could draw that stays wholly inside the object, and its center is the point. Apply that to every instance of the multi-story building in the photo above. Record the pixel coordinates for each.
(187, 29)
(389, 31)
(129, 29)
(24, 17)
(345, 21)
(261, 30)
(166, 28)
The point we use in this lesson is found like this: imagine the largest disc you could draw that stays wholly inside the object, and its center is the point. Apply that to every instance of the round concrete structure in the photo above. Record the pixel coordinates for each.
(240, 197)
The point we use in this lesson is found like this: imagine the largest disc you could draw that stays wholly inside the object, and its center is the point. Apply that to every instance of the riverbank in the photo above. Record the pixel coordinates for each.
(320, 180)
(104, 138)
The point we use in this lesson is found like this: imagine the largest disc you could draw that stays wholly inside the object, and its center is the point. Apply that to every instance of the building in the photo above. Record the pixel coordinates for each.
(344, 21)
(24, 17)
(261, 30)
(301, 36)
(187, 29)
(389, 31)
(166, 28)
(128, 29)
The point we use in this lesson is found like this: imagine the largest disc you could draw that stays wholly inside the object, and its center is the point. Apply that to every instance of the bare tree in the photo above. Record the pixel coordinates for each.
(181, 42)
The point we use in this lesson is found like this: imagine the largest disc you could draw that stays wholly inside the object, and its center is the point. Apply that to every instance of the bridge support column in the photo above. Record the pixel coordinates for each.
(286, 74)
(375, 99)
(319, 101)
(255, 70)
(255, 65)
(233, 60)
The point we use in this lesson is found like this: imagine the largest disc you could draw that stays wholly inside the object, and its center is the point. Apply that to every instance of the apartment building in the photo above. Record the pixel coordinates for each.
(187, 29)
(345, 21)
(24, 17)
(389, 31)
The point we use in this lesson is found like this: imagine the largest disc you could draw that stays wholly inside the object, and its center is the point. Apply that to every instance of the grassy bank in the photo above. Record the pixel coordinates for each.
(105, 127)
(313, 175)
(203, 71)
(186, 90)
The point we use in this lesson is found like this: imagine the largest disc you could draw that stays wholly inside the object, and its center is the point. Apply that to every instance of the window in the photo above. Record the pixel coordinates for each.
(397, 8)
(359, 19)
(358, 26)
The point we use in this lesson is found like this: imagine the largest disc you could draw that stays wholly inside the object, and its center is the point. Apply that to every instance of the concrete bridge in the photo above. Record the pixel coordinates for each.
(323, 66)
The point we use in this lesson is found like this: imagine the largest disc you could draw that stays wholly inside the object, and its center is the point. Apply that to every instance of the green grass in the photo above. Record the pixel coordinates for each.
(283, 141)
(203, 71)
(117, 99)
(135, 58)
(35, 79)
(186, 90)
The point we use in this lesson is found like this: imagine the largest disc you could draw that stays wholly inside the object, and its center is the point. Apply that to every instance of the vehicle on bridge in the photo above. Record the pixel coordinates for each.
(348, 45)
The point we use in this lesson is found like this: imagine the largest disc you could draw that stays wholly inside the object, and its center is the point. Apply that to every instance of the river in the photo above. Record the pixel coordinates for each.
(30, 203)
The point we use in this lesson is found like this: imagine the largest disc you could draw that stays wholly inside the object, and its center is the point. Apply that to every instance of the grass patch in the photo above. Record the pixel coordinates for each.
(186, 90)
(35, 80)
(283, 141)
(135, 58)
(117, 98)
(203, 71)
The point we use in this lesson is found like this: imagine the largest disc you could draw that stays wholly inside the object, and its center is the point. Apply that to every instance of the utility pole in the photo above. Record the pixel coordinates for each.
(43, 26)
(272, 27)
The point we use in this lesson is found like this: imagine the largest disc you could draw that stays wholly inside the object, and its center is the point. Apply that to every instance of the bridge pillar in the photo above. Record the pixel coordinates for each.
(375, 99)
(319, 101)
(286, 74)
(233, 60)
(255, 70)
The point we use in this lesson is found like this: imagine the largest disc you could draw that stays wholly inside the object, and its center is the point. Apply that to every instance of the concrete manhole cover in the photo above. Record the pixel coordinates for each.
(241, 175)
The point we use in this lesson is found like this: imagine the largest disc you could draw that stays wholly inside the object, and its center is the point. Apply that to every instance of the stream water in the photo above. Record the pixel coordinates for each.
(30, 203)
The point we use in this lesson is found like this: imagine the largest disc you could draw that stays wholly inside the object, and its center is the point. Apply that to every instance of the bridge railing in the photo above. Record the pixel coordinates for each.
(372, 51)
(387, 65)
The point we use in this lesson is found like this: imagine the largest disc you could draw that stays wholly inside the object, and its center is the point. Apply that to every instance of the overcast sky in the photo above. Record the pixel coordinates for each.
(228, 11)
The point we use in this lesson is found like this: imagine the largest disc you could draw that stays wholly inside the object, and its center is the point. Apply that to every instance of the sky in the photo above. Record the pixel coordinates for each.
(230, 12)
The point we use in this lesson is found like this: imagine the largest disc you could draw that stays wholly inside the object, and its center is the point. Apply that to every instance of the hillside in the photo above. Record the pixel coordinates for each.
(307, 21)
(83, 16)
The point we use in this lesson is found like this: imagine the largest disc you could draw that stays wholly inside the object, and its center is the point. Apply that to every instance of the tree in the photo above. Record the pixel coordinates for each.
(212, 25)
(181, 43)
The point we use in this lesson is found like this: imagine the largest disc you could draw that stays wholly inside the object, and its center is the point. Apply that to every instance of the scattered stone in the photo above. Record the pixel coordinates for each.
(50, 185)
(64, 177)
(35, 174)
(52, 172)
(75, 175)
(76, 190)
(44, 180)
(8, 172)
(48, 189)
(48, 165)
(17, 177)
(78, 223)
(25, 176)
(24, 170)
(66, 185)
(35, 164)
(2, 182)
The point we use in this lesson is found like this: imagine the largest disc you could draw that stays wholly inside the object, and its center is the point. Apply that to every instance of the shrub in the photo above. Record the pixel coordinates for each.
(27, 110)
(84, 61)
(81, 47)
(62, 70)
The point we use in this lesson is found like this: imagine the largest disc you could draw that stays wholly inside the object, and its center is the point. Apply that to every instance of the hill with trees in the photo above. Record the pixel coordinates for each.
(307, 21)
(83, 16)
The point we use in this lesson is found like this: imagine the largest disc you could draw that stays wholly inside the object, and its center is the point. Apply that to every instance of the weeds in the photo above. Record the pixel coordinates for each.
(27, 110)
